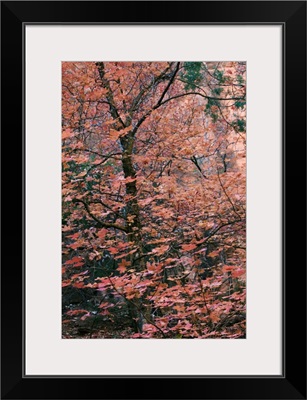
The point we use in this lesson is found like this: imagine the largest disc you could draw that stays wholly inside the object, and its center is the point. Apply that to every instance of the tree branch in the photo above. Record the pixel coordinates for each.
(100, 223)
(145, 89)
(169, 84)
(226, 194)
(161, 103)
(113, 110)
(202, 95)
(195, 162)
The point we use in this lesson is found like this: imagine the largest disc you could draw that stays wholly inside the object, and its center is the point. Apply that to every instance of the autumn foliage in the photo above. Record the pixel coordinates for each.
(153, 199)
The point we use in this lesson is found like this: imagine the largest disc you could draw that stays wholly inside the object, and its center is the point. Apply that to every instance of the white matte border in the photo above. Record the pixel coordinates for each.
(48, 354)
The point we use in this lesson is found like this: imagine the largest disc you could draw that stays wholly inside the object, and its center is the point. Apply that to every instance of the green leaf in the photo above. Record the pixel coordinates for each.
(240, 103)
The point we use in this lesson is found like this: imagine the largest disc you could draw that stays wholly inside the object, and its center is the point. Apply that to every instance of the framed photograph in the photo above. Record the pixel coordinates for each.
(163, 155)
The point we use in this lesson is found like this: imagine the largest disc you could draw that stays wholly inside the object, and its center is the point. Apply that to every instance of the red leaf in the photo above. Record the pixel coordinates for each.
(79, 264)
(76, 312)
(113, 250)
(228, 268)
(102, 233)
(74, 260)
(78, 285)
(188, 247)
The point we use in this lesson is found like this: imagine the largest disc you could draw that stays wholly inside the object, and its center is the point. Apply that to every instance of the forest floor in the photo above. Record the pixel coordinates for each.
(114, 325)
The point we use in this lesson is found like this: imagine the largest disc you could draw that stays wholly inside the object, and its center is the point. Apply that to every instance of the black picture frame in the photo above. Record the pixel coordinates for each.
(292, 16)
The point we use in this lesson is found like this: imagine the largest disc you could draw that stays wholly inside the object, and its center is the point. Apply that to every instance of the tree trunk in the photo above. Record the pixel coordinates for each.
(133, 224)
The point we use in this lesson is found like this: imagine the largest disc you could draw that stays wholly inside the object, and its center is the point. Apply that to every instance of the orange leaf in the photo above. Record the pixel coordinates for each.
(126, 130)
(66, 283)
(160, 250)
(114, 135)
(228, 268)
(122, 269)
(238, 272)
(187, 247)
(153, 268)
(68, 133)
(104, 305)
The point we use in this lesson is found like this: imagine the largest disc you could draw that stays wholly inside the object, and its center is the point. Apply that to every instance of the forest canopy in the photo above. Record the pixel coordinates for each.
(154, 199)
